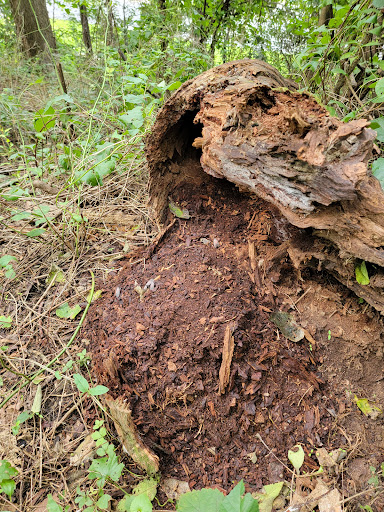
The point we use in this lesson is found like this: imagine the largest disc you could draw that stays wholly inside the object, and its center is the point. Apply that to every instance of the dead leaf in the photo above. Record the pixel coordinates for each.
(331, 502)
(228, 348)
(174, 488)
(84, 452)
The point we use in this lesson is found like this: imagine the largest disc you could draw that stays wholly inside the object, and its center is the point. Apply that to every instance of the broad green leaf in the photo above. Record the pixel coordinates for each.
(141, 504)
(296, 457)
(103, 502)
(45, 118)
(124, 504)
(232, 502)
(21, 216)
(249, 504)
(378, 170)
(147, 487)
(81, 383)
(378, 125)
(200, 501)
(361, 272)
(5, 322)
(52, 506)
(136, 99)
(98, 390)
(106, 467)
(7, 472)
(35, 232)
(5, 260)
(378, 3)
(379, 87)
(65, 311)
(8, 486)
(173, 86)
(268, 496)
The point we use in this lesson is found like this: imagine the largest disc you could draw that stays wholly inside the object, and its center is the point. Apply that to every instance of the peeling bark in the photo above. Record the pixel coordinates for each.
(244, 122)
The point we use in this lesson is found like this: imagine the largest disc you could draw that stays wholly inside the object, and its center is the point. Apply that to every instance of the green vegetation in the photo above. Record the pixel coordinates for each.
(71, 152)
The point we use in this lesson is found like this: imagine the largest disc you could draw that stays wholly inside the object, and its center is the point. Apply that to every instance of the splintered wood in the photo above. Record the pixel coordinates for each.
(129, 437)
(228, 348)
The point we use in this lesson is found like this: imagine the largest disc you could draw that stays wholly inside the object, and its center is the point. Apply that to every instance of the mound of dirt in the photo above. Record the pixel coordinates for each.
(157, 337)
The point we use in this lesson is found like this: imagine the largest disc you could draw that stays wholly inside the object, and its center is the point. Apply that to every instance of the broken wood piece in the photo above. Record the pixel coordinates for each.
(129, 437)
(228, 348)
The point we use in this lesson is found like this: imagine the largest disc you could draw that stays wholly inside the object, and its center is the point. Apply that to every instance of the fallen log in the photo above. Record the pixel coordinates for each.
(243, 122)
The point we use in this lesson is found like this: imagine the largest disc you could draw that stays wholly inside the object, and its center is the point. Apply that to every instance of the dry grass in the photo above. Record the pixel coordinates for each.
(116, 221)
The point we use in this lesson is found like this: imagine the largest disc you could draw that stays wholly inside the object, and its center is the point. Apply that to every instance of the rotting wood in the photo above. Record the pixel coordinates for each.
(129, 437)
(228, 348)
(243, 122)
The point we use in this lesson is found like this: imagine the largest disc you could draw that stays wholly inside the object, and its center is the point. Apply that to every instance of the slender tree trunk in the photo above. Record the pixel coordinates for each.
(33, 27)
(85, 28)
(110, 32)
(163, 11)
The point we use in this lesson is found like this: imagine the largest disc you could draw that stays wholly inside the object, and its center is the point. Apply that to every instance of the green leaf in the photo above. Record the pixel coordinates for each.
(35, 232)
(124, 504)
(361, 272)
(65, 311)
(5, 322)
(379, 87)
(106, 467)
(98, 390)
(232, 502)
(200, 501)
(249, 504)
(378, 170)
(103, 501)
(52, 506)
(178, 212)
(268, 496)
(22, 417)
(173, 86)
(45, 119)
(378, 3)
(8, 486)
(141, 504)
(36, 406)
(378, 125)
(147, 487)
(9, 272)
(81, 383)
(366, 408)
(296, 457)
(5, 260)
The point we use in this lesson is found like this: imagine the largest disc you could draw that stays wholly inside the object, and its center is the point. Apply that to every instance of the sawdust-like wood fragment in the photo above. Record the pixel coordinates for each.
(228, 348)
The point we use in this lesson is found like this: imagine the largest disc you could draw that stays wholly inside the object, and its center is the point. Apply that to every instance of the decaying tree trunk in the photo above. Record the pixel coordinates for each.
(244, 122)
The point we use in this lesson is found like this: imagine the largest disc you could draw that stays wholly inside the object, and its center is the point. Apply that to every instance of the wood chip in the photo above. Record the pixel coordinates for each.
(228, 348)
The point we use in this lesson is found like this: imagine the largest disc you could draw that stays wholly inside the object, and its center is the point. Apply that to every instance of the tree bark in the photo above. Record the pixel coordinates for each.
(33, 27)
(245, 123)
(85, 28)
(110, 32)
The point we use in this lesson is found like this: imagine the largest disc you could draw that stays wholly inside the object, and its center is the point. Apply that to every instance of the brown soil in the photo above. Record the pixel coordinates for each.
(163, 353)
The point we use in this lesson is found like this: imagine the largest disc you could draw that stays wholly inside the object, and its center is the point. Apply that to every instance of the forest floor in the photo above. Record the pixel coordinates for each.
(185, 331)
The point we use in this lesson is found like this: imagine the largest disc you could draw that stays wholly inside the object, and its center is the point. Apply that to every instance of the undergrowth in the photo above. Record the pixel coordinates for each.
(73, 203)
